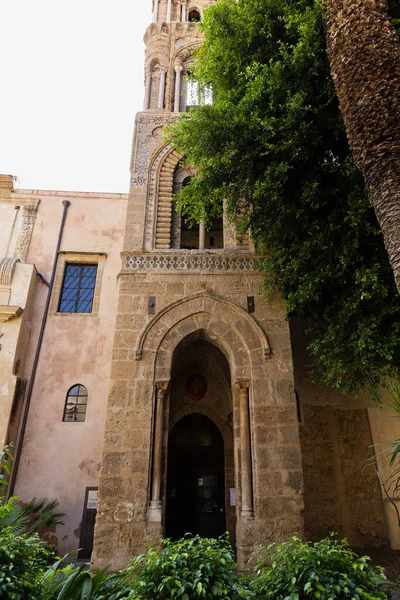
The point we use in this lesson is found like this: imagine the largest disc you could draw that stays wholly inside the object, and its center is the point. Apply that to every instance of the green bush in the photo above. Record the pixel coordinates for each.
(190, 568)
(23, 561)
(327, 570)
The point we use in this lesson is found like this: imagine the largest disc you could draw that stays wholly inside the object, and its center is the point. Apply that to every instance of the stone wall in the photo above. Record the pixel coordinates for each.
(341, 489)
(257, 348)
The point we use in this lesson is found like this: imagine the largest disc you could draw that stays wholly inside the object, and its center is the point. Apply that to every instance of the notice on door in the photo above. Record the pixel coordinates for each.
(232, 496)
(92, 500)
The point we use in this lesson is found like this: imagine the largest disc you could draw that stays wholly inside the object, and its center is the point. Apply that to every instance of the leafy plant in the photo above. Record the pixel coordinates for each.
(23, 561)
(327, 570)
(5, 464)
(188, 569)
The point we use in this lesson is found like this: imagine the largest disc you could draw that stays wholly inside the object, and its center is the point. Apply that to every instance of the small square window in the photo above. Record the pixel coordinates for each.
(78, 287)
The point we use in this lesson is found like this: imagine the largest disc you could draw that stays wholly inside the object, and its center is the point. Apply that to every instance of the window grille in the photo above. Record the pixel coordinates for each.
(76, 404)
(78, 288)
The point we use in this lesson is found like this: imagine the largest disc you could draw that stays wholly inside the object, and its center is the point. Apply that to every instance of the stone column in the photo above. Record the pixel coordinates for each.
(147, 94)
(169, 11)
(177, 99)
(202, 235)
(184, 11)
(29, 212)
(155, 11)
(161, 94)
(245, 451)
(156, 502)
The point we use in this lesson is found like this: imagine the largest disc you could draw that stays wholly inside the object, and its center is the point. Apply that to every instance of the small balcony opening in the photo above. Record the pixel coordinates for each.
(194, 16)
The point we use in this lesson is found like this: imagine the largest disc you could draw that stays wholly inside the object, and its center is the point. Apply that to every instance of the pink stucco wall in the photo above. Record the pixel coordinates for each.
(59, 460)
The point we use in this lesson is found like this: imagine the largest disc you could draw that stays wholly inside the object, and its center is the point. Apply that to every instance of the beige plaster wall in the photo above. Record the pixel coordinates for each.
(59, 460)
(14, 339)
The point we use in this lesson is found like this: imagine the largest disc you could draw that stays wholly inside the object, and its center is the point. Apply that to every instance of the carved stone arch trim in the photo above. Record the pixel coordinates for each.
(226, 325)
(184, 53)
(7, 267)
(157, 58)
(152, 192)
(164, 194)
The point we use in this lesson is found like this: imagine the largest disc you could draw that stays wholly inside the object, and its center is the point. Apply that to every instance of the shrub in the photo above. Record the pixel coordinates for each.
(327, 570)
(23, 561)
(190, 568)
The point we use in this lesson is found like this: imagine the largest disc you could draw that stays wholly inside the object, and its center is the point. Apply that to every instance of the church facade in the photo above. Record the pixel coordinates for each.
(148, 382)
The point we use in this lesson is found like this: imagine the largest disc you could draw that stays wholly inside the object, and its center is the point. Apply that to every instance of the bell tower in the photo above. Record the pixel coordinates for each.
(170, 40)
(202, 377)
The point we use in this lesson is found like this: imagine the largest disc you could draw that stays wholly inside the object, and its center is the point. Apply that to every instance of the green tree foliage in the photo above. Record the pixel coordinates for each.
(327, 570)
(274, 147)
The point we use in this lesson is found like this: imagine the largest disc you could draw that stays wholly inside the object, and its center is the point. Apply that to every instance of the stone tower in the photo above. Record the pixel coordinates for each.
(202, 431)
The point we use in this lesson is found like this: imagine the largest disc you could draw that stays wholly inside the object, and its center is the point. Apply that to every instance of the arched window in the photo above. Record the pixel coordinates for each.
(194, 16)
(197, 95)
(75, 404)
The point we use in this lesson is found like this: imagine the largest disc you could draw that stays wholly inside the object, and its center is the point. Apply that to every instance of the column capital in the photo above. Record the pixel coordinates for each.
(162, 386)
(163, 69)
(178, 68)
(242, 385)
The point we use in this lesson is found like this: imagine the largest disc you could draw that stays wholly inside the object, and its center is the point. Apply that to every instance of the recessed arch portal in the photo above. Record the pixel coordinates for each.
(199, 472)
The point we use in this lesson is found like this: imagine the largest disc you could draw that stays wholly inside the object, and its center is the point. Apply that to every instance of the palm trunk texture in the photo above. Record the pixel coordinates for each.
(364, 53)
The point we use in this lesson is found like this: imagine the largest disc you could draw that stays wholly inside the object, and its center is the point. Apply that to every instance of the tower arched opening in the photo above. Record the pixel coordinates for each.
(194, 16)
(188, 236)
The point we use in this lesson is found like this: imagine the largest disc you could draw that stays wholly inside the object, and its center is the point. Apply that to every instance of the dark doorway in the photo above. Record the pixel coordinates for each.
(88, 523)
(195, 480)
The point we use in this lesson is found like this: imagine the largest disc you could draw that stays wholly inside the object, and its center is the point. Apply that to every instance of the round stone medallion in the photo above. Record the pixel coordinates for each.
(196, 386)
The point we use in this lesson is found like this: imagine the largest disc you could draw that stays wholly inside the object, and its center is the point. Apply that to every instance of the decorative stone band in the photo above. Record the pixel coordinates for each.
(189, 262)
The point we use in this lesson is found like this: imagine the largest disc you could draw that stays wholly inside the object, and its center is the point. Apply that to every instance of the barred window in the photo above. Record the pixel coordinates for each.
(78, 288)
(76, 404)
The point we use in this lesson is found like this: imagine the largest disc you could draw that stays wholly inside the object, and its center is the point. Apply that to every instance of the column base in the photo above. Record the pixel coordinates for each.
(247, 513)
(155, 511)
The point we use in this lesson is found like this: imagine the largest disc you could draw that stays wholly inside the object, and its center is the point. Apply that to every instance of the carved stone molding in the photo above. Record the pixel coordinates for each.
(29, 212)
(189, 262)
(140, 163)
(7, 267)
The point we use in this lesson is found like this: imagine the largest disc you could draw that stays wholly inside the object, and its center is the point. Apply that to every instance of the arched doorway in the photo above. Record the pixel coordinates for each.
(195, 479)
(199, 473)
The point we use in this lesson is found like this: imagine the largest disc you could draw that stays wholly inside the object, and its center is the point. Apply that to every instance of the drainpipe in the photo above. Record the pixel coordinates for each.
(18, 448)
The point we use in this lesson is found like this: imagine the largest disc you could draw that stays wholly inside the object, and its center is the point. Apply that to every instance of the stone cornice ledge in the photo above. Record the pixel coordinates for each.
(9, 312)
(190, 261)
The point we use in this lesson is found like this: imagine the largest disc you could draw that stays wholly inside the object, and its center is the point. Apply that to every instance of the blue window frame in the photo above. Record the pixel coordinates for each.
(77, 290)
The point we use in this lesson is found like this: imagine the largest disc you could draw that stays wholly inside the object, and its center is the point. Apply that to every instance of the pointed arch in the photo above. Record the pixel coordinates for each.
(159, 201)
(222, 322)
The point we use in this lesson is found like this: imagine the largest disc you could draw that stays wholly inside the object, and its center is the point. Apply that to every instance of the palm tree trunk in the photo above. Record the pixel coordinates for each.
(364, 53)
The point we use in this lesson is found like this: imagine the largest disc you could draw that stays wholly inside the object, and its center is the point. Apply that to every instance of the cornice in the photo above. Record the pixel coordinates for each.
(7, 313)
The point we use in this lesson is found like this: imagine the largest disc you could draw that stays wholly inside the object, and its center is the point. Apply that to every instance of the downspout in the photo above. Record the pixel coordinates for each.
(18, 448)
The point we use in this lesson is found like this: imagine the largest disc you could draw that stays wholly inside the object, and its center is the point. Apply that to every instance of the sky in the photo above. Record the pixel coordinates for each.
(71, 82)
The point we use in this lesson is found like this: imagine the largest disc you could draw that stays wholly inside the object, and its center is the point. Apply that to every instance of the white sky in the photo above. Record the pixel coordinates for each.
(71, 77)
